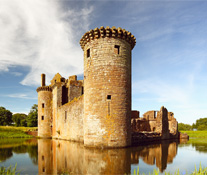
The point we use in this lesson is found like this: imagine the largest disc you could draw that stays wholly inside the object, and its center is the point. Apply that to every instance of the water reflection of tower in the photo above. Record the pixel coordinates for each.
(45, 156)
(70, 157)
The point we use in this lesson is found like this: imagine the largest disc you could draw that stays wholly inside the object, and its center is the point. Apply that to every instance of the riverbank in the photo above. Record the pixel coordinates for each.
(16, 132)
(196, 134)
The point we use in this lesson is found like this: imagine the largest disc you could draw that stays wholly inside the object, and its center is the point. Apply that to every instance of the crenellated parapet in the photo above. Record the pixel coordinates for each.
(44, 88)
(108, 32)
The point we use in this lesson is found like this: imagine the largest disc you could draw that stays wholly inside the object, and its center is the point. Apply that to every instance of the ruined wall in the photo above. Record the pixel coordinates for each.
(75, 88)
(107, 85)
(69, 121)
(44, 111)
(162, 125)
(156, 121)
(173, 124)
(134, 114)
(150, 115)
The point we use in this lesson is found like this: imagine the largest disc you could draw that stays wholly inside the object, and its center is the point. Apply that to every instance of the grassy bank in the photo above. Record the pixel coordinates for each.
(199, 171)
(15, 132)
(196, 134)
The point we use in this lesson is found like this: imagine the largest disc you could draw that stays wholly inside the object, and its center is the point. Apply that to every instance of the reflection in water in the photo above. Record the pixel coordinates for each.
(8, 147)
(59, 156)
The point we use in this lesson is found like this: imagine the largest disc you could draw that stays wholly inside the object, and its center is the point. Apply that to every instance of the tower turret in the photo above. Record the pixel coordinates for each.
(44, 109)
(107, 87)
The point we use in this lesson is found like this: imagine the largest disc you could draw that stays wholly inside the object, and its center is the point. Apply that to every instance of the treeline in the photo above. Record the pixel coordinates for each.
(200, 125)
(19, 119)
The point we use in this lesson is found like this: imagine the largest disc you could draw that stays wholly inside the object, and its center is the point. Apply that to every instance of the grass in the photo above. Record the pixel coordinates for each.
(8, 171)
(15, 132)
(196, 134)
(199, 171)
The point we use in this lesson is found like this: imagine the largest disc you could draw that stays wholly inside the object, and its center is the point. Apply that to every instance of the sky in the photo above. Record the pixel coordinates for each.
(169, 61)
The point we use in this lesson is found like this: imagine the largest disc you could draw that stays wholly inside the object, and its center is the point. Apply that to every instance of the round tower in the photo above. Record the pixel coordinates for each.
(107, 87)
(44, 109)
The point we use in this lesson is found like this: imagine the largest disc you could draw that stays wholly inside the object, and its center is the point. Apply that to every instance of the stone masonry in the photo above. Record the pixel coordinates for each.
(97, 110)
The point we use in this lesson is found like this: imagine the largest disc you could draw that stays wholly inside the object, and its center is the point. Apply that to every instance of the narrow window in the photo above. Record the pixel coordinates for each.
(43, 169)
(88, 53)
(82, 91)
(43, 105)
(65, 115)
(116, 49)
(43, 157)
(109, 108)
(43, 117)
(108, 97)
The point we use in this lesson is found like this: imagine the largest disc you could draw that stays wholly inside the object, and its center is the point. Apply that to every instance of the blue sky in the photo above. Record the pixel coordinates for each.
(169, 60)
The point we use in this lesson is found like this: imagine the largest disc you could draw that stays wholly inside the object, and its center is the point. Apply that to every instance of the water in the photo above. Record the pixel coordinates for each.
(45, 156)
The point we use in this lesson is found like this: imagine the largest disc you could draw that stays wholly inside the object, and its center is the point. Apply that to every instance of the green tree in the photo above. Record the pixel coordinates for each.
(32, 116)
(184, 127)
(5, 117)
(201, 124)
(19, 119)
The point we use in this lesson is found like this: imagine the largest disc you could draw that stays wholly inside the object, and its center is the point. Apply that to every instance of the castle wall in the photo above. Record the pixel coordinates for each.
(75, 89)
(69, 123)
(107, 85)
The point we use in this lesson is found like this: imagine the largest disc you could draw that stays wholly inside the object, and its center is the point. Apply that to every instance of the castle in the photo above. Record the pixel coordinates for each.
(97, 110)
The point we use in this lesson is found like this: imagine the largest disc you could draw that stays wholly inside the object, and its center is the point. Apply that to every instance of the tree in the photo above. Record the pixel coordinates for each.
(19, 119)
(184, 127)
(201, 124)
(5, 116)
(32, 116)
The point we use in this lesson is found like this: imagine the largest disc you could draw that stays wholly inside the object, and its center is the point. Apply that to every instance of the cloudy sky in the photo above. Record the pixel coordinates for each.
(169, 61)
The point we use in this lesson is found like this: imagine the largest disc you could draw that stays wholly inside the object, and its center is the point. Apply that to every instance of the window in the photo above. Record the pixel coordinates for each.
(88, 53)
(43, 157)
(43, 105)
(43, 169)
(82, 91)
(65, 115)
(116, 49)
(43, 117)
(108, 97)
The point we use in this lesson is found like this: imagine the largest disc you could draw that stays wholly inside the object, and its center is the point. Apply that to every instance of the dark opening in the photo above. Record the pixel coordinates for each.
(116, 49)
(43, 117)
(43, 105)
(88, 53)
(108, 97)
(43, 169)
(65, 115)
(43, 157)
(64, 95)
(82, 91)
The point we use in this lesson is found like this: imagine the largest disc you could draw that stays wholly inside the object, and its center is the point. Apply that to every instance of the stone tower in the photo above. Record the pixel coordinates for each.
(107, 87)
(44, 109)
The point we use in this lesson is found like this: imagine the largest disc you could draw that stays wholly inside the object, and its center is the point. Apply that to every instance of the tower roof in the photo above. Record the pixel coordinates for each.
(108, 32)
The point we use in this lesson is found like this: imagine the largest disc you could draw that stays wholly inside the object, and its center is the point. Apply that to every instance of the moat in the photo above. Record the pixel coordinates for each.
(45, 156)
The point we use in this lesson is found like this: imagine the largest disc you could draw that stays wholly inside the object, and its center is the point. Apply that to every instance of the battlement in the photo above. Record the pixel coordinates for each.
(44, 88)
(108, 32)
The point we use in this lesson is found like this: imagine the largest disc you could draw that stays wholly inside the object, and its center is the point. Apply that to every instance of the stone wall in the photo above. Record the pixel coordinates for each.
(162, 122)
(69, 122)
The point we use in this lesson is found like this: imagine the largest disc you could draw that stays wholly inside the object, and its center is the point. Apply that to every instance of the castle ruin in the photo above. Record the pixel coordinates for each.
(97, 110)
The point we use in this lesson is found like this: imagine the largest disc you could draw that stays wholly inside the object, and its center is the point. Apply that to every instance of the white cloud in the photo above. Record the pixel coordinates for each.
(43, 36)
(22, 95)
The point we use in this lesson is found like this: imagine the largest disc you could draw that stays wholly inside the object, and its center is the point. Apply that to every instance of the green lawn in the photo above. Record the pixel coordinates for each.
(15, 132)
(196, 134)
